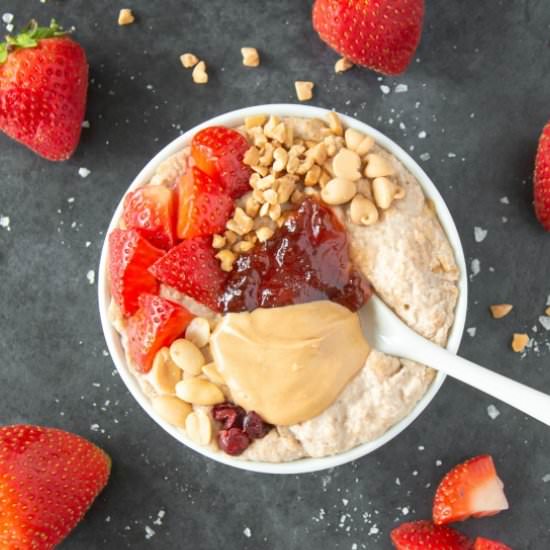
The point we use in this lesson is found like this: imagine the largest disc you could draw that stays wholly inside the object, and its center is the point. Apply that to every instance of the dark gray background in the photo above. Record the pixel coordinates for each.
(480, 90)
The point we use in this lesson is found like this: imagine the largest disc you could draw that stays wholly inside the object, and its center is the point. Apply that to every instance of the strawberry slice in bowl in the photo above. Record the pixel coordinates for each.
(471, 489)
(130, 256)
(156, 324)
(151, 211)
(219, 152)
(204, 206)
(192, 268)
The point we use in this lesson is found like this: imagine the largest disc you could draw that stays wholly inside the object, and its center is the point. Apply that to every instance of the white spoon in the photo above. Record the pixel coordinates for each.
(388, 334)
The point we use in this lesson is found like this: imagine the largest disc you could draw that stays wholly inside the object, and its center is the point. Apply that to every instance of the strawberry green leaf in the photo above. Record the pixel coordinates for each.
(29, 38)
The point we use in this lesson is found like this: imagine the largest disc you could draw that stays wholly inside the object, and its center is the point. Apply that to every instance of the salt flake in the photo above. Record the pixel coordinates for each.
(91, 276)
(544, 320)
(504, 200)
(385, 89)
(475, 267)
(493, 412)
(149, 533)
(5, 222)
(7, 18)
(401, 89)
(480, 234)
(546, 478)
(422, 135)
(425, 156)
(247, 532)
(84, 172)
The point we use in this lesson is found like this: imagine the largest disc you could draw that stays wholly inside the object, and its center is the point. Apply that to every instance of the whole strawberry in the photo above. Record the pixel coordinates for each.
(48, 480)
(380, 34)
(43, 87)
(542, 179)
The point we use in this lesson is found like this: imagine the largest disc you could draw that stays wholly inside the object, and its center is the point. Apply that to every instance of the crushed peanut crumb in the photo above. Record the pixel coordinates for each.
(519, 342)
(547, 311)
(342, 65)
(200, 76)
(251, 57)
(304, 90)
(126, 17)
(189, 60)
(501, 310)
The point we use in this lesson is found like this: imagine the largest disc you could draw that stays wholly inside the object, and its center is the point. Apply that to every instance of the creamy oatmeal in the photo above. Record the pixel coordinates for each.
(395, 241)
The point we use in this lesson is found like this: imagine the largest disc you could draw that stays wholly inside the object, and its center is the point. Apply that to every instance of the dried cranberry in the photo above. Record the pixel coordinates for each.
(230, 415)
(233, 441)
(254, 426)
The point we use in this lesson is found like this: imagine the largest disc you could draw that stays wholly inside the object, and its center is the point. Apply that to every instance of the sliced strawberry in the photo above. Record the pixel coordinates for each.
(204, 206)
(129, 257)
(424, 535)
(192, 268)
(157, 323)
(48, 480)
(380, 34)
(469, 489)
(542, 179)
(219, 152)
(151, 210)
(486, 544)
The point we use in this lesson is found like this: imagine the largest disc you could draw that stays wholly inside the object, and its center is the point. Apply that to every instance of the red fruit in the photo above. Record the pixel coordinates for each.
(424, 535)
(157, 323)
(129, 257)
(151, 210)
(219, 152)
(48, 480)
(43, 87)
(230, 415)
(254, 426)
(469, 489)
(380, 34)
(204, 206)
(192, 268)
(542, 179)
(486, 544)
(233, 441)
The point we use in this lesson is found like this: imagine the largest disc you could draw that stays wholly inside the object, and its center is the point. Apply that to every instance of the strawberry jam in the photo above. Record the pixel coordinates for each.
(306, 260)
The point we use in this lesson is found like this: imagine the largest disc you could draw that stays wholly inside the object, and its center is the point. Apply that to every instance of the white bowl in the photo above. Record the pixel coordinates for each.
(233, 119)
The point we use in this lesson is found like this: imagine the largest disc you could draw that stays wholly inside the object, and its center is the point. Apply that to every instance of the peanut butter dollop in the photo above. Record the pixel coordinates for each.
(290, 363)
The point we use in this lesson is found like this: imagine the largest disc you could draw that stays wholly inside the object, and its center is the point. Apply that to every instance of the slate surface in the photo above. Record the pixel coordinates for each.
(480, 91)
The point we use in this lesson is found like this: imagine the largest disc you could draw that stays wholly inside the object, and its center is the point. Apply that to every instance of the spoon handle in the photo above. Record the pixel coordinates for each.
(522, 397)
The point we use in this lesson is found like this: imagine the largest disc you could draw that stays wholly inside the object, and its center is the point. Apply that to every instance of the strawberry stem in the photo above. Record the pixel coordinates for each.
(29, 37)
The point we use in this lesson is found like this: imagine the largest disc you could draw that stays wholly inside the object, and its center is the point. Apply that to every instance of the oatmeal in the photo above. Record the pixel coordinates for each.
(295, 378)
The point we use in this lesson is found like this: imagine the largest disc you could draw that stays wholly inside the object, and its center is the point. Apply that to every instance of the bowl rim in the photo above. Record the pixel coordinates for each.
(304, 465)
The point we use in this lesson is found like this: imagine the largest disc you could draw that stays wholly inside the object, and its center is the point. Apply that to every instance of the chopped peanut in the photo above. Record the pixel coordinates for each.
(519, 342)
(342, 65)
(254, 121)
(218, 241)
(189, 60)
(227, 259)
(264, 234)
(251, 57)
(304, 90)
(335, 124)
(200, 76)
(126, 17)
(501, 310)
(547, 311)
